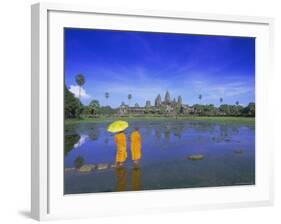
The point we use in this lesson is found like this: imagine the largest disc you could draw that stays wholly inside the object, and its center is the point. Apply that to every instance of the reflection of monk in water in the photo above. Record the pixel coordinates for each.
(136, 146)
(121, 154)
(121, 175)
(136, 179)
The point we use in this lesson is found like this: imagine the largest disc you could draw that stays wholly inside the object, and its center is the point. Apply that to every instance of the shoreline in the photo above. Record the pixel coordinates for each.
(212, 119)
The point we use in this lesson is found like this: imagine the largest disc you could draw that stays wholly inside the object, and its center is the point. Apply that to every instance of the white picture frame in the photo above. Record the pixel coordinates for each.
(48, 201)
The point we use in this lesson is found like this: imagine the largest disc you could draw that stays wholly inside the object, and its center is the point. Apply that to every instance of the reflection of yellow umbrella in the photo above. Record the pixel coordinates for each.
(117, 126)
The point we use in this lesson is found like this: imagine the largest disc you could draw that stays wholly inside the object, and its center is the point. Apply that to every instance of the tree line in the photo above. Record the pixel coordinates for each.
(224, 110)
(73, 108)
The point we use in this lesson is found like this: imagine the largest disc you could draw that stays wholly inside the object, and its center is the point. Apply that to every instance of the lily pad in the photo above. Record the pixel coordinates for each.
(196, 157)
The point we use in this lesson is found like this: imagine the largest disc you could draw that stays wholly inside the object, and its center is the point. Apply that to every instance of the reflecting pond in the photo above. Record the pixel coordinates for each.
(228, 156)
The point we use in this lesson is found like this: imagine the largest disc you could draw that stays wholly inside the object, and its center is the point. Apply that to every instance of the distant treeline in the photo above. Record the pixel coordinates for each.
(73, 108)
(224, 110)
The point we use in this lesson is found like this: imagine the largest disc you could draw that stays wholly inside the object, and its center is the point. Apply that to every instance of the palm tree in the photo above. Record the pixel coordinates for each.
(237, 103)
(129, 98)
(79, 161)
(221, 100)
(80, 80)
(106, 96)
(200, 97)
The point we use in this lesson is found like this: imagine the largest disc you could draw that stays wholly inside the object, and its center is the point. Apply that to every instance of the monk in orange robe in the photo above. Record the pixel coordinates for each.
(136, 146)
(121, 154)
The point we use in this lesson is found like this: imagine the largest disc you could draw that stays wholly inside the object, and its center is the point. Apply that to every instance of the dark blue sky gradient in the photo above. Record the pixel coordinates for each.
(145, 64)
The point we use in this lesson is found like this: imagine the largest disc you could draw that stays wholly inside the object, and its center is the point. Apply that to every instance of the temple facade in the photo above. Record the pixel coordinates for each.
(167, 106)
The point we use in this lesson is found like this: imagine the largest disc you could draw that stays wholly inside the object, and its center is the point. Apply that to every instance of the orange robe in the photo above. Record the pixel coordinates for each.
(120, 140)
(136, 145)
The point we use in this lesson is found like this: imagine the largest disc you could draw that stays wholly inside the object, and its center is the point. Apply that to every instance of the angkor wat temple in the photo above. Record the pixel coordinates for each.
(167, 106)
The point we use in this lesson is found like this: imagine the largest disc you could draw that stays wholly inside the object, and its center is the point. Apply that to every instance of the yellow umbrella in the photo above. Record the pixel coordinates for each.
(117, 126)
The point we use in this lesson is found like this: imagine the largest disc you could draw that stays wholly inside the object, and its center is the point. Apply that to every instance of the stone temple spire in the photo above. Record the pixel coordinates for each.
(167, 97)
(179, 100)
(158, 101)
(147, 103)
(174, 101)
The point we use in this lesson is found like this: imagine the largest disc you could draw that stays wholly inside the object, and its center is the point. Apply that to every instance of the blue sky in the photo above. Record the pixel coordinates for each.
(146, 64)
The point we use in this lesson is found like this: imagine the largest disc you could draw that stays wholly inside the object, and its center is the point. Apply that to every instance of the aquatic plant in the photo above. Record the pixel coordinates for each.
(78, 162)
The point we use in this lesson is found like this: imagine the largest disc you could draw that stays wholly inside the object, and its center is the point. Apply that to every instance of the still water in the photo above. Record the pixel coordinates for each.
(228, 150)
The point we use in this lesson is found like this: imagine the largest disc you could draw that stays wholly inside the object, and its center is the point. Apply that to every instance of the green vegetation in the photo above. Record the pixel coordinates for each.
(173, 109)
(80, 80)
(94, 110)
(78, 162)
(69, 142)
(224, 110)
(94, 107)
(71, 105)
(219, 119)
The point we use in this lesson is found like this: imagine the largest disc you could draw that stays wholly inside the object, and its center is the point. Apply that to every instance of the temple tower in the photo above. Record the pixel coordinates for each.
(167, 98)
(158, 101)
